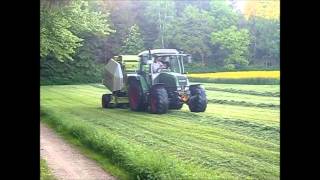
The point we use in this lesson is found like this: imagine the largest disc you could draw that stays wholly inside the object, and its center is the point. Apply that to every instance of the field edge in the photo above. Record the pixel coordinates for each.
(102, 161)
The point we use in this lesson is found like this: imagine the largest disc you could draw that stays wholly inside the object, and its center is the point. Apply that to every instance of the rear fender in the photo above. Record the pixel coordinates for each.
(131, 78)
(193, 87)
(141, 81)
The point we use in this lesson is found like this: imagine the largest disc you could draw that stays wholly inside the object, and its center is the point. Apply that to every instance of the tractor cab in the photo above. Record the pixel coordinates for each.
(159, 61)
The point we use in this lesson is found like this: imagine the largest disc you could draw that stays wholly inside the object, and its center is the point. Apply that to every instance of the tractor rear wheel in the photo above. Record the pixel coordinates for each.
(135, 94)
(159, 102)
(106, 98)
(198, 100)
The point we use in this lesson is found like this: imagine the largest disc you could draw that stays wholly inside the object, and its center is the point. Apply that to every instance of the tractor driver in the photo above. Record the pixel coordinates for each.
(157, 65)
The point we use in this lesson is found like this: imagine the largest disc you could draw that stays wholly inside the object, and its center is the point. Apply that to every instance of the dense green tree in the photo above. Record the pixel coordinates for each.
(265, 41)
(191, 32)
(224, 15)
(211, 30)
(161, 14)
(236, 43)
(62, 28)
(133, 44)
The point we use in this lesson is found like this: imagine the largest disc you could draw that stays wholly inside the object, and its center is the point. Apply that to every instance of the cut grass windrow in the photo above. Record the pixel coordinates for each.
(243, 103)
(276, 94)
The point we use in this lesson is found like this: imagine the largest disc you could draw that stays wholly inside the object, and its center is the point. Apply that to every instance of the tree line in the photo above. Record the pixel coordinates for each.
(77, 35)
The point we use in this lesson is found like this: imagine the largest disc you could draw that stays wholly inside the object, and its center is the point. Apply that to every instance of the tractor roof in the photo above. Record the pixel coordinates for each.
(159, 51)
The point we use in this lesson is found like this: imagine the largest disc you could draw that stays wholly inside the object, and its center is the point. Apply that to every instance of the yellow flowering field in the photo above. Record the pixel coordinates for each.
(238, 75)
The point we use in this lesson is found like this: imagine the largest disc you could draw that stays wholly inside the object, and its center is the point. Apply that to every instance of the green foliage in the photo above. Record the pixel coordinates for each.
(236, 139)
(224, 15)
(161, 14)
(191, 32)
(229, 67)
(265, 40)
(236, 42)
(45, 173)
(61, 28)
(55, 36)
(133, 44)
(81, 30)
(70, 72)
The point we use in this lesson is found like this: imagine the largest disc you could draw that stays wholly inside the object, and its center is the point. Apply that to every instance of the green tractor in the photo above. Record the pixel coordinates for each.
(153, 80)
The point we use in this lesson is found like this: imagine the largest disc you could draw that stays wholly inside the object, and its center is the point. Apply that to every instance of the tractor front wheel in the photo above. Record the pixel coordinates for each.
(198, 100)
(159, 102)
(175, 103)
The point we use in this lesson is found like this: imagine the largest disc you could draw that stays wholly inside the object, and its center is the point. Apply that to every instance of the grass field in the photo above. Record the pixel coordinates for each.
(45, 173)
(236, 138)
(241, 77)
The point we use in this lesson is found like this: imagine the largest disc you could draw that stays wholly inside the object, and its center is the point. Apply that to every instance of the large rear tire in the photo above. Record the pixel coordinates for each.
(135, 94)
(198, 100)
(159, 102)
(106, 98)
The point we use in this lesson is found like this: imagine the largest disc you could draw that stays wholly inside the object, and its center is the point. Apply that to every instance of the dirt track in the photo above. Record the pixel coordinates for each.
(67, 162)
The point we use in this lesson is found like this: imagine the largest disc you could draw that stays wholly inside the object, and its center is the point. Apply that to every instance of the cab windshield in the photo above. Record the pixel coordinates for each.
(168, 63)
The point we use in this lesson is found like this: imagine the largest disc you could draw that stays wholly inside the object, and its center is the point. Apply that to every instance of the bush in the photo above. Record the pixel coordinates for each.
(229, 67)
(79, 71)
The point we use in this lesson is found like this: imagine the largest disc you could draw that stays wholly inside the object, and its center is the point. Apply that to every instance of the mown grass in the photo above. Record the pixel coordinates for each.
(225, 142)
(243, 77)
(45, 173)
(242, 99)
